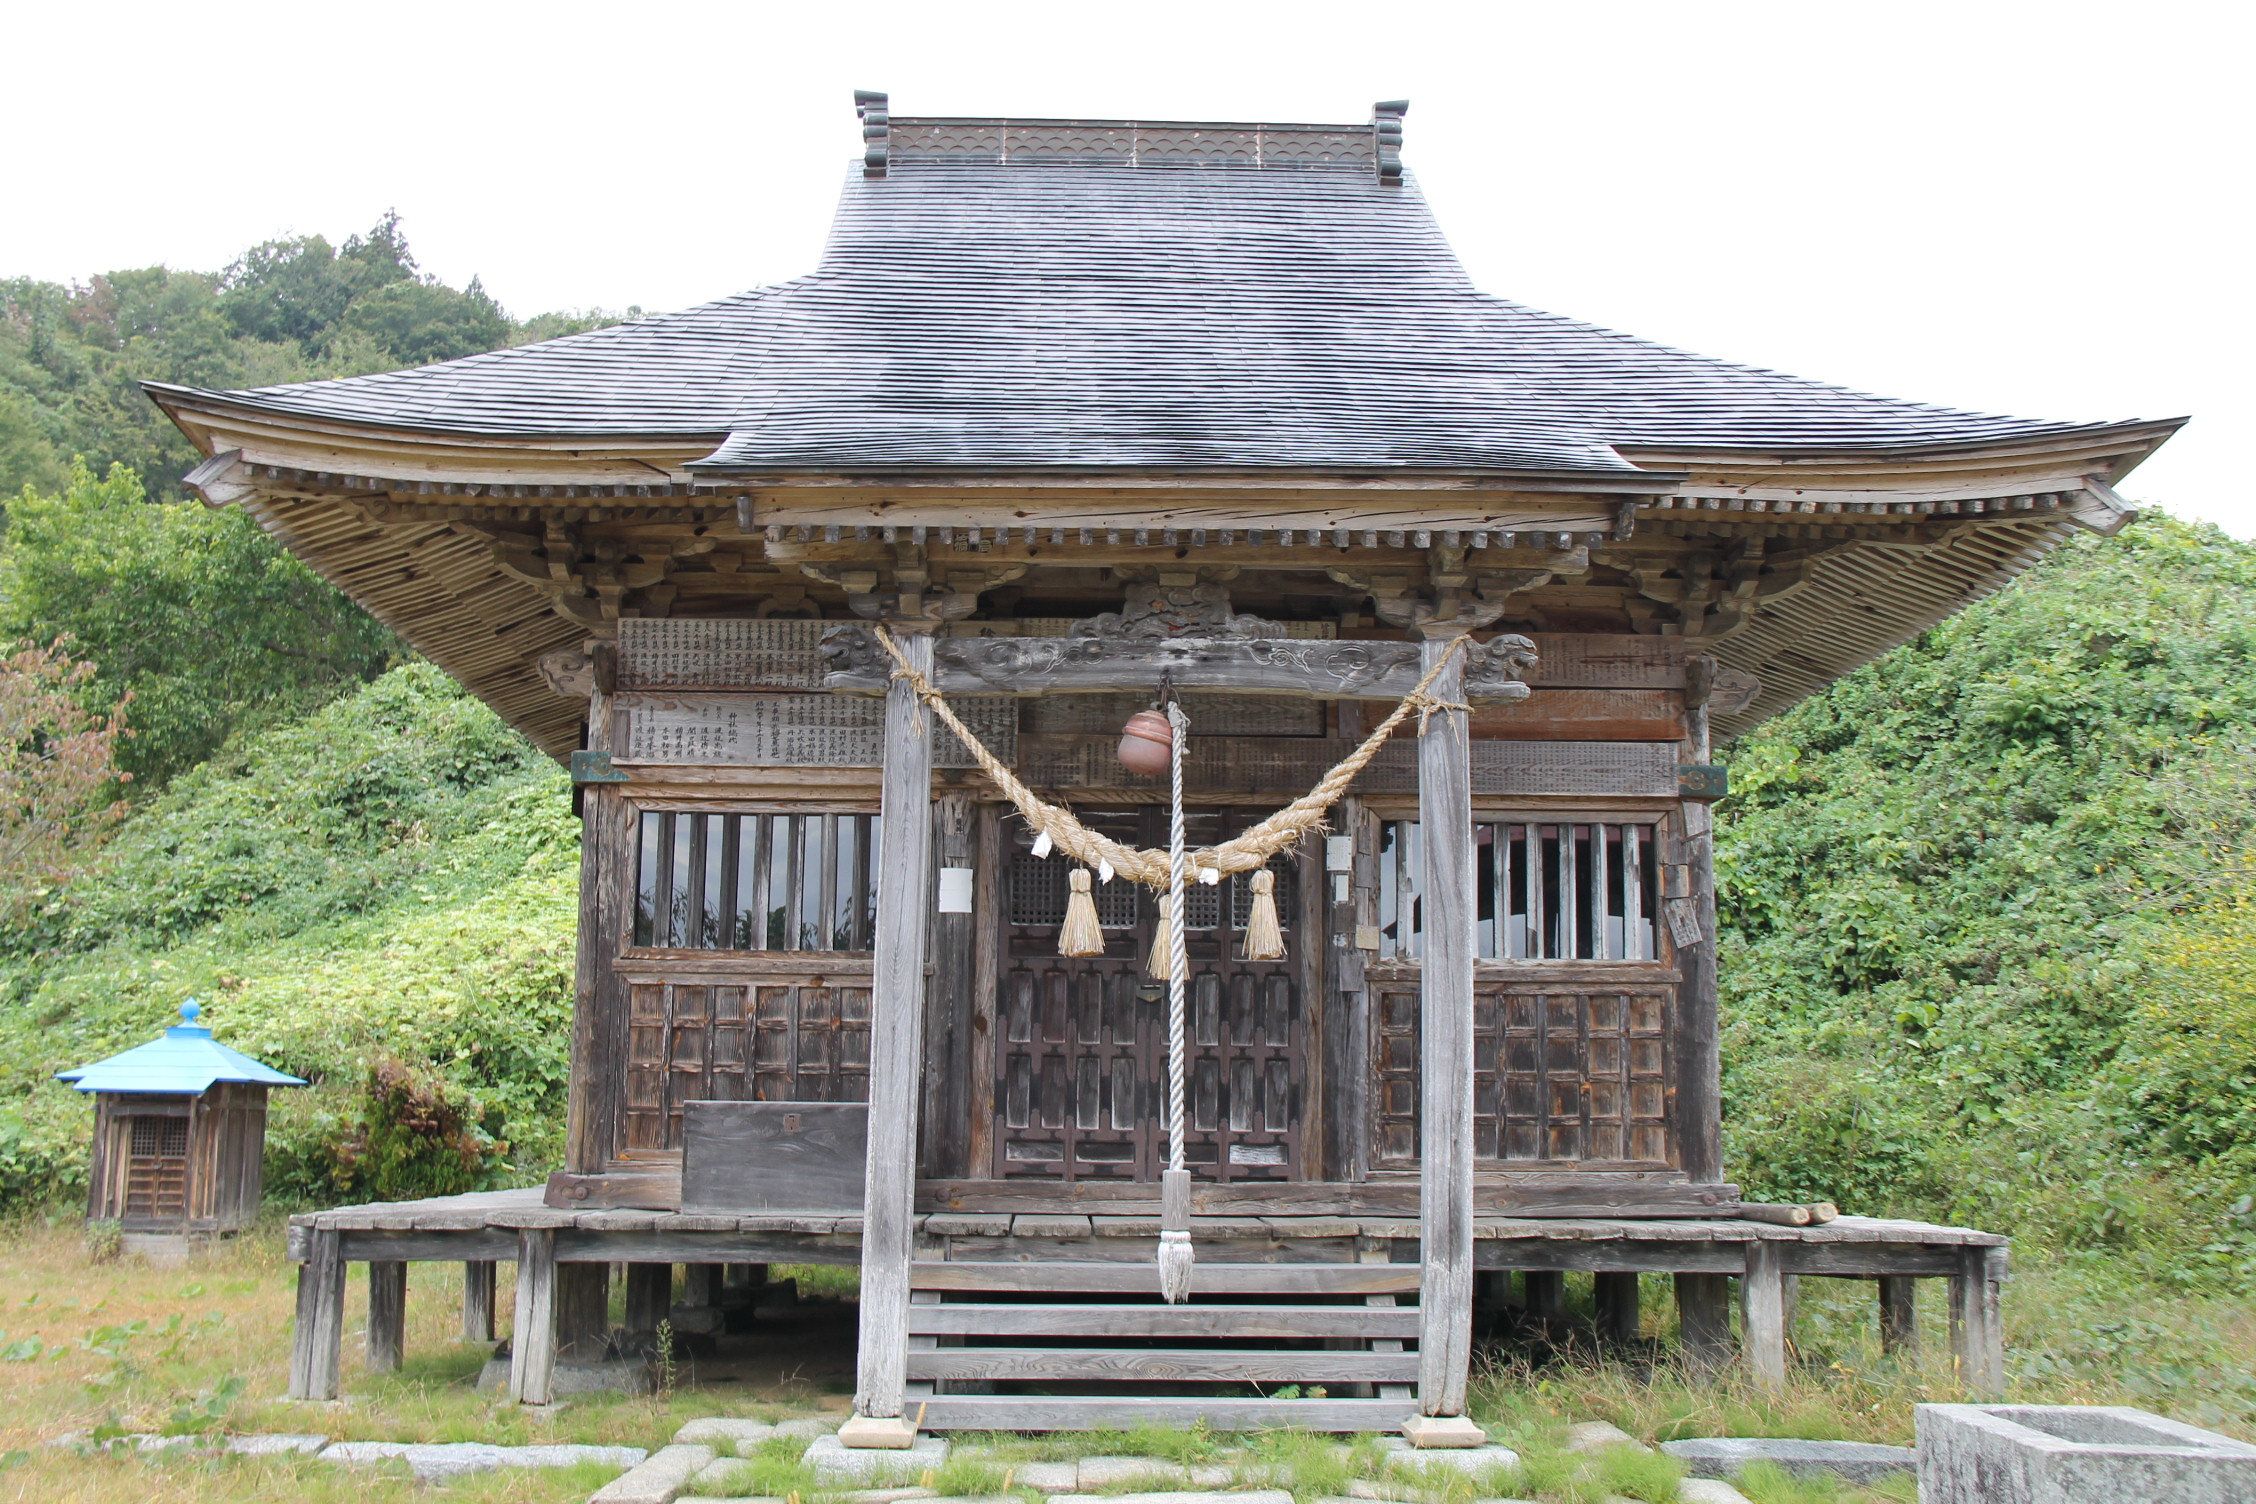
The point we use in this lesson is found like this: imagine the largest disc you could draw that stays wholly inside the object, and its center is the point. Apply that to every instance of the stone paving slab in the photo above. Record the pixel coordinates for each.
(1244, 1496)
(1597, 1435)
(1709, 1491)
(869, 1466)
(1045, 1477)
(1468, 1460)
(1097, 1474)
(726, 1432)
(1851, 1461)
(807, 1426)
(276, 1444)
(658, 1479)
(433, 1462)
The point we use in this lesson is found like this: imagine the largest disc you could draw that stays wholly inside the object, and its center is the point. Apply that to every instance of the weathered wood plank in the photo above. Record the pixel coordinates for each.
(1633, 1194)
(318, 1337)
(478, 1300)
(896, 1045)
(1613, 1255)
(762, 1157)
(1182, 1364)
(1044, 1413)
(1240, 1321)
(532, 1334)
(1143, 1279)
(713, 1248)
(1869, 1260)
(655, 1187)
(1445, 1042)
(1977, 1325)
(428, 1247)
(1584, 715)
(1545, 1293)
(599, 1022)
(387, 1315)
(1762, 1314)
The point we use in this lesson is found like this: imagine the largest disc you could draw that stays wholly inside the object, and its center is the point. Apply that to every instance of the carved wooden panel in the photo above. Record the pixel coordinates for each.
(1593, 660)
(1081, 1049)
(1565, 1073)
(1211, 714)
(787, 731)
(692, 654)
(703, 1039)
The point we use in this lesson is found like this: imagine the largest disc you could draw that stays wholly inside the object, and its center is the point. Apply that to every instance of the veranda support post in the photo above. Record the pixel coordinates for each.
(1445, 1011)
(896, 1055)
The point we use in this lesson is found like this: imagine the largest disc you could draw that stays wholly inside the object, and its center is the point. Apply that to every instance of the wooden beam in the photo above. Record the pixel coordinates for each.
(1142, 1278)
(1544, 1294)
(974, 1318)
(1762, 1314)
(1899, 1315)
(1584, 715)
(1977, 1327)
(1703, 1314)
(532, 1334)
(1616, 1293)
(948, 1039)
(1699, 1065)
(599, 1026)
(1325, 668)
(1027, 1412)
(478, 1300)
(387, 1316)
(1209, 1365)
(904, 894)
(650, 1297)
(1445, 1025)
(316, 1340)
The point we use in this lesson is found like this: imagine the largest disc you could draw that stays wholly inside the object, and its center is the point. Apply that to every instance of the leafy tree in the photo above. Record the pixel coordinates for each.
(299, 288)
(56, 759)
(192, 612)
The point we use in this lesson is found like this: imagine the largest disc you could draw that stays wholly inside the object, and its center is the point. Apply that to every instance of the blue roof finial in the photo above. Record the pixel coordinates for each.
(190, 1010)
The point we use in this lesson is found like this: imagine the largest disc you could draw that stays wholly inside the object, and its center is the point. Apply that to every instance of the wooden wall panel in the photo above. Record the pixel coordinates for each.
(1568, 1073)
(705, 1040)
(1584, 715)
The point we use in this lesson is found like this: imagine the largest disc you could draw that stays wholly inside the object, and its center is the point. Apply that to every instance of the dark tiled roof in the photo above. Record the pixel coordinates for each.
(1088, 313)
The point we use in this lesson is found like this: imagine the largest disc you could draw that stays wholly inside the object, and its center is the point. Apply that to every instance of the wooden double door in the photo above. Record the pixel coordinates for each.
(1080, 1056)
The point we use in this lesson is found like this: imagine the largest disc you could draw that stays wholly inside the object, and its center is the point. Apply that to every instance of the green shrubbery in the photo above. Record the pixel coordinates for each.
(379, 897)
(1985, 911)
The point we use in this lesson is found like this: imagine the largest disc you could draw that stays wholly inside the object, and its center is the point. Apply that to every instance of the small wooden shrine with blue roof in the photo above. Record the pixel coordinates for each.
(179, 1135)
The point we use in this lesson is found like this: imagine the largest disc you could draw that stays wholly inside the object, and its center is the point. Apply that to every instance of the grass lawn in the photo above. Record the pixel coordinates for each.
(206, 1347)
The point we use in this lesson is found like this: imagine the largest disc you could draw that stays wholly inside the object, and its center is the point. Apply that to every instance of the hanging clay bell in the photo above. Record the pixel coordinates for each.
(1147, 743)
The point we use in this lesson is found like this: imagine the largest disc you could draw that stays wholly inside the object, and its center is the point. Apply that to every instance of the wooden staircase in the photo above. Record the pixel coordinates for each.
(1078, 1346)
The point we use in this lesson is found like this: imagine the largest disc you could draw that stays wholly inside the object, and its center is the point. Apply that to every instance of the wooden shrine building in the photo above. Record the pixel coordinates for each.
(1079, 412)
(179, 1138)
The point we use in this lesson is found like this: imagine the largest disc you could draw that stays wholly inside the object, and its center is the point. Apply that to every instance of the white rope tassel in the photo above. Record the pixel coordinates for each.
(1175, 1256)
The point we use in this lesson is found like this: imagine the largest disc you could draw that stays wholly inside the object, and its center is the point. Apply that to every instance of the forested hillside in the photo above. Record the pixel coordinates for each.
(294, 309)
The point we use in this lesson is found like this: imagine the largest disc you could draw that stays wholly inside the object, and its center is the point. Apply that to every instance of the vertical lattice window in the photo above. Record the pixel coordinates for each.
(756, 882)
(1559, 892)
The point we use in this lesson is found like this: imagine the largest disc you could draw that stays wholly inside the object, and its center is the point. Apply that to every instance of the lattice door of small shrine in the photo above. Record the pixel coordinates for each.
(1081, 1043)
(156, 1168)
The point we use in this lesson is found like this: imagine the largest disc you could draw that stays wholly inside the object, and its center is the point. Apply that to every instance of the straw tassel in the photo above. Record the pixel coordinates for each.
(1264, 937)
(1160, 962)
(1081, 934)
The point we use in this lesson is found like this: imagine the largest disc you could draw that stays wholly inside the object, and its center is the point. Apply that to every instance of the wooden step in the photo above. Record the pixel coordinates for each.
(1044, 1413)
(1235, 1322)
(1206, 1365)
(1143, 1279)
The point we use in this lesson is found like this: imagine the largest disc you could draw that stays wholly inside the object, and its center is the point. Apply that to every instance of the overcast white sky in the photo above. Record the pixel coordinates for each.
(2040, 209)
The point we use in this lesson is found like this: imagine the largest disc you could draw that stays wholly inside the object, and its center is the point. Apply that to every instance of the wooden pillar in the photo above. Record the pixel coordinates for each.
(947, 1031)
(650, 1297)
(1445, 1030)
(896, 1044)
(478, 1300)
(1899, 1314)
(532, 1335)
(1616, 1293)
(1703, 1316)
(1543, 1294)
(1977, 1325)
(1699, 1091)
(599, 1021)
(1762, 1313)
(746, 1276)
(387, 1314)
(319, 1335)
(583, 1311)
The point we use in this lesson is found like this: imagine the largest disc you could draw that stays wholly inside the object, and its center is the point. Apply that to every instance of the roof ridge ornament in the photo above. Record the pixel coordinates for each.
(1386, 135)
(871, 107)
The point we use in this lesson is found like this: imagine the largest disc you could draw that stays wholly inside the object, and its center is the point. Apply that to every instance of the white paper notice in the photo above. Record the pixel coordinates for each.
(955, 890)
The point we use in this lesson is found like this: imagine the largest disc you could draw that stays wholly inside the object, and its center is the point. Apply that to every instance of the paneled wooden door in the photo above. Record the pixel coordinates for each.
(1081, 1043)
